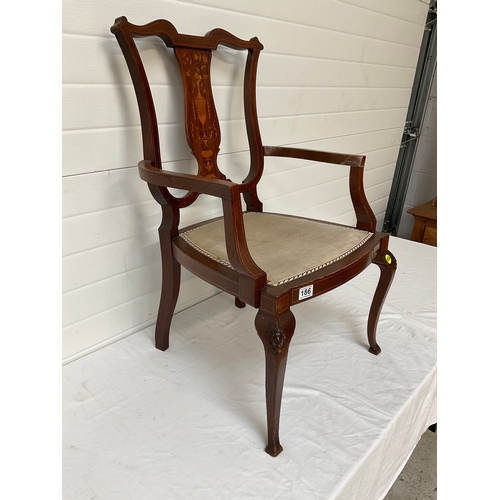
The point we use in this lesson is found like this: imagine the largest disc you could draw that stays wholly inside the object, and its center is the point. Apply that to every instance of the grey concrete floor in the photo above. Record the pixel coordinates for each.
(418, 479)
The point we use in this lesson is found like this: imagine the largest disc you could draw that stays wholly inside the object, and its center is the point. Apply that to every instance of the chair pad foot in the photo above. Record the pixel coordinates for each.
(274, 450)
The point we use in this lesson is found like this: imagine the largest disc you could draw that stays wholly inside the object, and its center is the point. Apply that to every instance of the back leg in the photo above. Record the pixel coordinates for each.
(387, 264)
(239, 303)
(171, 276)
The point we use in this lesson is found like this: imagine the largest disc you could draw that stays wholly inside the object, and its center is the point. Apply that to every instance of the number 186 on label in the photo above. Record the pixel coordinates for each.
(306, 292)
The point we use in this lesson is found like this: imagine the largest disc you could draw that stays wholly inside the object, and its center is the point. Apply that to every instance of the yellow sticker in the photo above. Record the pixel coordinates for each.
(388, 258)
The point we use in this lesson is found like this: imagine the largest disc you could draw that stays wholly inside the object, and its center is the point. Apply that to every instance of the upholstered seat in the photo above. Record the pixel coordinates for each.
(284, 247)
(268, 261)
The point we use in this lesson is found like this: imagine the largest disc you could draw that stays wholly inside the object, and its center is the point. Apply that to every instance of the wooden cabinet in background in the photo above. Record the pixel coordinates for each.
(425, 225)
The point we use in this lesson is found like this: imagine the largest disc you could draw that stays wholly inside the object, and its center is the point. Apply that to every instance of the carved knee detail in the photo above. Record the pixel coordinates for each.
(275, 331)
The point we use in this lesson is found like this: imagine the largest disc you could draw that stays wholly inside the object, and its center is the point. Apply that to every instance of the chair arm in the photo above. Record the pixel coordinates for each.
(204, 185)
(252, 277)
(365, 218)
(321, 156)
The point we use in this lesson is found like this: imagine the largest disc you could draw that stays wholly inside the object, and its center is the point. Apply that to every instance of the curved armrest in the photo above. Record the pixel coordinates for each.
(365, 218)
(252, 277)
(204, 185)
(310, 154)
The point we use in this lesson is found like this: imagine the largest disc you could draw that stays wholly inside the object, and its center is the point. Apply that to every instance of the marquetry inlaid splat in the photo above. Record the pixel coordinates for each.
(202, 124)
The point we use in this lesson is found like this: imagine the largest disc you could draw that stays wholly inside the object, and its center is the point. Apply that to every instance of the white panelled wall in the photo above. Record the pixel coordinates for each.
(334, 75)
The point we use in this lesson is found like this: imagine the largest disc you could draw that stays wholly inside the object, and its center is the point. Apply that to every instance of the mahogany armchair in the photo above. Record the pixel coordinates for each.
(257, 257)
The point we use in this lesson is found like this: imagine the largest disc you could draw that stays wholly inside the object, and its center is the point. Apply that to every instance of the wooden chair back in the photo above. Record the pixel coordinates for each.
(194, 56)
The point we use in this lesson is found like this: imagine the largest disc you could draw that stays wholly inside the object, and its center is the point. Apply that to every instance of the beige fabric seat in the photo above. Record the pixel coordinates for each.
(284, 247)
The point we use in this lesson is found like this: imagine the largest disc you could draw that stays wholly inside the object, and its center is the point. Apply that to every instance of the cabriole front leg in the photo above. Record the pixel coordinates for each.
(276, 333)
(387, 264)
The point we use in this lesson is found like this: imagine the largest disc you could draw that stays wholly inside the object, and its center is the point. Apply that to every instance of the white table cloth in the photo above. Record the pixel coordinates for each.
(190, 422)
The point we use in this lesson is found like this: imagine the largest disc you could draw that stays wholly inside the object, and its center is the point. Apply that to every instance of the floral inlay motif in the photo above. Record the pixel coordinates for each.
(202, 126)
